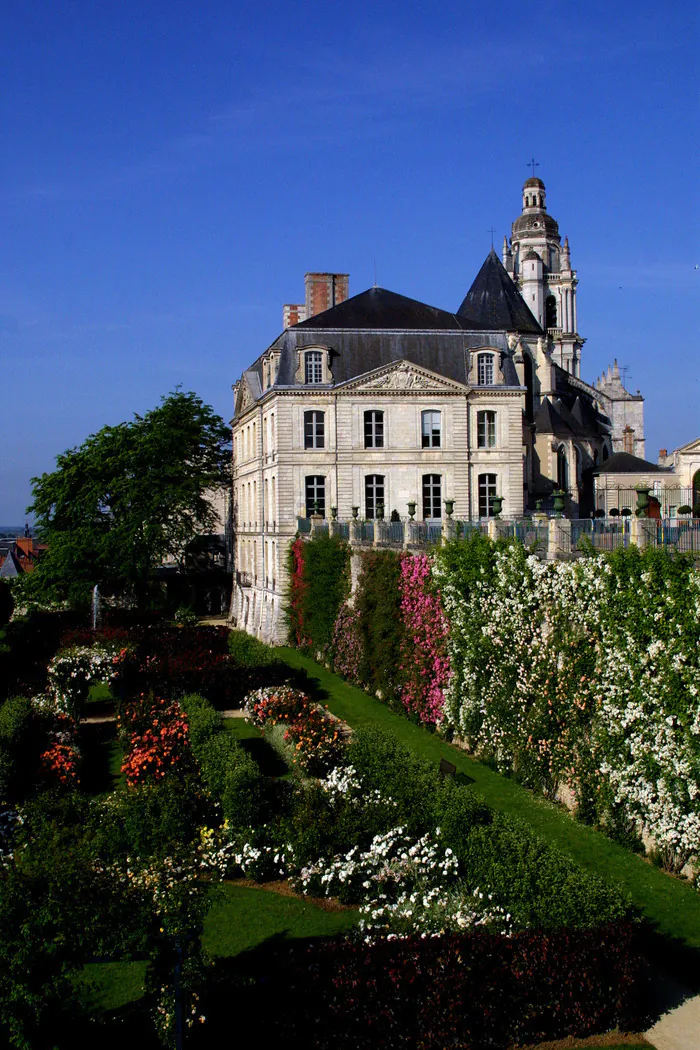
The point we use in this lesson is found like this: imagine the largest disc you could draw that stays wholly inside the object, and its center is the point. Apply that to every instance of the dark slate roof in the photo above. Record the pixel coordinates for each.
(9, 566)
(494, 302)
(379, 309)
(549, 421)
(626, 463)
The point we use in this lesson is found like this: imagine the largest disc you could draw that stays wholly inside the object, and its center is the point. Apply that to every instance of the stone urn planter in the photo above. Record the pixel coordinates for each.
(642, 500)
(379, 513)
(334, 513)
(411, 510)
(497, 506)
(449, 507)
(559, 497)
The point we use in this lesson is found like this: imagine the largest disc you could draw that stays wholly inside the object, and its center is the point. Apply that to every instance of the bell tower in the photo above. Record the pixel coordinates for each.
(541, 267)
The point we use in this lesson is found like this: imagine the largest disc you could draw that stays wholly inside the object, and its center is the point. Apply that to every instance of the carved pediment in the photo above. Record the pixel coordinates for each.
(403, 375)
(244, 396)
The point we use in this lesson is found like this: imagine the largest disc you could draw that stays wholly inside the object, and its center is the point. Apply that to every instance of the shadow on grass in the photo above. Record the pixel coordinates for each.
(101, 757)
(269, 761)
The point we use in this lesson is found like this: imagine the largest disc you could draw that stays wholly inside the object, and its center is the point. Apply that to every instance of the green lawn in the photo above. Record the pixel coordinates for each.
(672, 906)
(240, 918)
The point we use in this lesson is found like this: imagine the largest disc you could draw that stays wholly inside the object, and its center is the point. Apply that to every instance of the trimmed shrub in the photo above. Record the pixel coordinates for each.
(249, 652)
(378, 604)
(319, 571)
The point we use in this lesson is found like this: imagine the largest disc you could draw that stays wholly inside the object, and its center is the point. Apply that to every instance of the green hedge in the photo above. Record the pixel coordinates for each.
(378, 604)
(540, 885)
(320, 589)
(229, 773)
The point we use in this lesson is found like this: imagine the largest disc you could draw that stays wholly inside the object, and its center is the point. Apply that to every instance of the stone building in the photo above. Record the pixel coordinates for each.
(379, 401)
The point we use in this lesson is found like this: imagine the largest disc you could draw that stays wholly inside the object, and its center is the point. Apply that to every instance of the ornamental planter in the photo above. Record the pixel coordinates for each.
(559, 495)
(334, 513)
(449, 507)
(379, 513)
(642, 500)
(497, 505)
(355, 511)
(411, 510)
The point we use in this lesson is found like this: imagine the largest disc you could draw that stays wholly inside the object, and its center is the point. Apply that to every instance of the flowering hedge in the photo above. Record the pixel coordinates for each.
(156, 737)
(424, 670)
(584, 675)
(314, 739)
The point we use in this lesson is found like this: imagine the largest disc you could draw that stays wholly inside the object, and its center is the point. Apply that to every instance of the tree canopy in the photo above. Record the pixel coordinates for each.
(129, 497)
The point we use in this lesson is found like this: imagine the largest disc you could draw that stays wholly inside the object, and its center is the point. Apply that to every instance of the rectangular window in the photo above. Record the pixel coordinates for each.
(486, 429)
(484, 364)
(374, 494)
(432, 496)
(313, 366)
(314, 429)
(316, 495)
(374, 429)
(430, 429)
(487, 490)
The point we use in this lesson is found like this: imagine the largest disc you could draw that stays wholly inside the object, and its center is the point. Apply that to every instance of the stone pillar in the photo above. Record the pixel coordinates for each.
(493, 529)
(559, 540)
(355, 569)
(643, 532)
(334, 527)
(448, 530)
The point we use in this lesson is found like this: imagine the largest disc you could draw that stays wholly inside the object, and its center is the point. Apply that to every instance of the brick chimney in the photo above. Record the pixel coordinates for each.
(662, 456)
(323, 291)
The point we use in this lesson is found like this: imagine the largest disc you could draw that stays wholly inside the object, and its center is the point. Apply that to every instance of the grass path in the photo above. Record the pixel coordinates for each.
(671, 906)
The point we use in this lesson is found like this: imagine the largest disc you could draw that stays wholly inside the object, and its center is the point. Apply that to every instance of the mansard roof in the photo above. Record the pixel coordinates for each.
(379, 309)
(494, 302)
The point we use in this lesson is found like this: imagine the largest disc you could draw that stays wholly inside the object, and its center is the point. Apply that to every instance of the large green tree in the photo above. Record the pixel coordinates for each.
(127, 498)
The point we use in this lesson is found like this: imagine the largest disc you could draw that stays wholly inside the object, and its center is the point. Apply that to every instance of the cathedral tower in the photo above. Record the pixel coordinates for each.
(541, 266)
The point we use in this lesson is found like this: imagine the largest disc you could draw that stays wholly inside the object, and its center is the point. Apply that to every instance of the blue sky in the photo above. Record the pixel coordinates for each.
(171, 170)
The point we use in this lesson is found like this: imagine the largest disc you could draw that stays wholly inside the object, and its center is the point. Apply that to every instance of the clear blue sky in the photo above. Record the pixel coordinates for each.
(171, 170)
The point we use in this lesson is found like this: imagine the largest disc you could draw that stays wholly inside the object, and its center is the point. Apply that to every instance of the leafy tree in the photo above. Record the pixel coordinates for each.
(127, 498)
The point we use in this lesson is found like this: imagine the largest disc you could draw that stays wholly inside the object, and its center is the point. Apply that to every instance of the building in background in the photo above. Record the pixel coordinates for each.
(365, 405)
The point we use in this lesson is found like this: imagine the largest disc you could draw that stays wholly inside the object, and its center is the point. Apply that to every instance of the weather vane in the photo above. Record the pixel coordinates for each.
(533, 164)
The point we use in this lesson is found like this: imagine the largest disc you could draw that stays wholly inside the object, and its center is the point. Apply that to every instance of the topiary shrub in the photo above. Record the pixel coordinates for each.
(614, 512)
(685, 508)
(378, 603)
(626, 512)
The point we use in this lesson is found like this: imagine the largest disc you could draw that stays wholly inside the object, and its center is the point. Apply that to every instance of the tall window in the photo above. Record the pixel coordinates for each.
(550, 306)
(316, 495)
(562, 469)
(313, 366)
(487, 490)
(374, 429)
(484, 369)
(314, 430)
(486, 429)
(374, 494)
(430, 429)
(432, 496)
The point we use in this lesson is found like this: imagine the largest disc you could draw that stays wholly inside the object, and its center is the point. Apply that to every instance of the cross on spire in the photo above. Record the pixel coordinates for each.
(491, 231)
(533, 164)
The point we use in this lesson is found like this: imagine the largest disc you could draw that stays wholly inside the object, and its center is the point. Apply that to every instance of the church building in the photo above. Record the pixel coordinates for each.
(366, 404)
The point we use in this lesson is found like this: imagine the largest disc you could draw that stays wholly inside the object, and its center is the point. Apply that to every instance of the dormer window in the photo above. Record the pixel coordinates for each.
(484, 369)
(313, 366)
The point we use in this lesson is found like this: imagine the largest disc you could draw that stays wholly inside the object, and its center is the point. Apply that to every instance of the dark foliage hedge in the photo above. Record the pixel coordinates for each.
(173, 661)
(319, 574)
(471, 991)
(378, 603)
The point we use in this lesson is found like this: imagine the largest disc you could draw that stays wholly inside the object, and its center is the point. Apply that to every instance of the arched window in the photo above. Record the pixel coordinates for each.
(313, 366)
(432, 497)
(562, 469)
(484, 369)
(487, 490)
(486, 430)
(430, 429)
(529, 389)
(374, 494)
(550, 306)
(314, 429)
(374, 428)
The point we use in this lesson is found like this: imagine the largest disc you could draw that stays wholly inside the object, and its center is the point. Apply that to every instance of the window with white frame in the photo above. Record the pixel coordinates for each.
(430, 429)
(314, 429)
(374, 429)
(313, 366)
(315, 495)
(484, 369)
(486, 429)
(487, 490)
(432, 497)
(374, 494)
